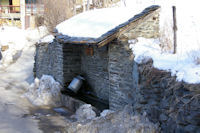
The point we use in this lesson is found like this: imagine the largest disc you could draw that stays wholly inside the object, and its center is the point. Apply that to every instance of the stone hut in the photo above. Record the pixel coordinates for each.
(106, 62)
(108, 65)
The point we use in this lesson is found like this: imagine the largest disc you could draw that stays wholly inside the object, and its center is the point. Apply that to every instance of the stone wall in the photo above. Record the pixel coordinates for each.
(123, 75)
(93, 66)
(120, 75)
(175, 105)
(71, 62)
(95, 69)
(49, 60)
(147, 29)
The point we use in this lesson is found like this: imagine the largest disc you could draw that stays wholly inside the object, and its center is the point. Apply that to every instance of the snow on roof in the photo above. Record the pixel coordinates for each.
(96, 22)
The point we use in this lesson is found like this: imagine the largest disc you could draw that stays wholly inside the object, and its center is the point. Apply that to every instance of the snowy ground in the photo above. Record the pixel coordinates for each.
(16, 112)
(184, 66)
(13, 82)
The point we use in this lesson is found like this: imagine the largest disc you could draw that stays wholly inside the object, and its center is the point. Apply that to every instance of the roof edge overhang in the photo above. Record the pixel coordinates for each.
(112, 34)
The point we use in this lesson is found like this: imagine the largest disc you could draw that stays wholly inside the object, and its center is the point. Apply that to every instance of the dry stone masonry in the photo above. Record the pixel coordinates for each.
(175, 105)
(49, 60)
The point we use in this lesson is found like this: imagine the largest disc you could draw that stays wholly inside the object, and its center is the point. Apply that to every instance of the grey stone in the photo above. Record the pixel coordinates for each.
(180, 129)
(190, 128)
(163, 117)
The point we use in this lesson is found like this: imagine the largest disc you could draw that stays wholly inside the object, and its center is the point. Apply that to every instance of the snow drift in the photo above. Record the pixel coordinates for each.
(85, 112)
(45, 91)
(182, 66)
(17, 40)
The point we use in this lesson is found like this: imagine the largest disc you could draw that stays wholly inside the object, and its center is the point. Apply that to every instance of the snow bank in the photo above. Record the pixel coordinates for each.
(12, 36)
(96, 22)
(85, 112)
(16, 40)
(37, 33)
(47, 39)
(180, 65)
(45, 91)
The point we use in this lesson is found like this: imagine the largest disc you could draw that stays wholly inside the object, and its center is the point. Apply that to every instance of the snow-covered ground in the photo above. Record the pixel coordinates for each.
(184, 67)
(17, 41)
(186, 63)
(15, 78)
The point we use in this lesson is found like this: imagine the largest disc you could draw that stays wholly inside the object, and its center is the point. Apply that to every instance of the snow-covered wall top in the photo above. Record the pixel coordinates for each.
(97, 24)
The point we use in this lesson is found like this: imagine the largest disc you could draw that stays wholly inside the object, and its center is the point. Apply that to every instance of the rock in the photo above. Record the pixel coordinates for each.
(179, 129)
(171, 126)
(117, 122)
(181, 118)
(163, 117)
(4, 48)
(190, 128)
(193, 118)
(106, 112)
(164, 103)
(85, 112)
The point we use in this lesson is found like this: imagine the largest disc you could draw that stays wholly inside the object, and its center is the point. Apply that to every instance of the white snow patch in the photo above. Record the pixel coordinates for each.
(47, 39)
(37, 33)
(8, 35)
(45, 91)
(106, 112)
(85, 112)
(96, 22)
(180, 65)
(17, 40)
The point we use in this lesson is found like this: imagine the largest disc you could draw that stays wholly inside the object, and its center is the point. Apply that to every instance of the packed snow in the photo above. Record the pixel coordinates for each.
(18, 61)
(17, 40)
(184, 67)
(85, 112)
(96, 22)
(47, 39)
(45, 91)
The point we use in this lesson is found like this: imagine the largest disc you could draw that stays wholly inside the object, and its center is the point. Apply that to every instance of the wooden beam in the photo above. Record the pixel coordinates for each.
(175, 29)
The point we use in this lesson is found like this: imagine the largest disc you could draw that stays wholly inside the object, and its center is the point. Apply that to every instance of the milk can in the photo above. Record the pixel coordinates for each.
(76, 84)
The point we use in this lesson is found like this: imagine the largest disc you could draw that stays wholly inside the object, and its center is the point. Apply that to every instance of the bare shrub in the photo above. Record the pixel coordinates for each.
(57, 11)
(195, 56)
(39, 20)
(103, 3)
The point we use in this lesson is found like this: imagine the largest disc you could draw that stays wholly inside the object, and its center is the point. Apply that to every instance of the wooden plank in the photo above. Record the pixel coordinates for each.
(107, 40)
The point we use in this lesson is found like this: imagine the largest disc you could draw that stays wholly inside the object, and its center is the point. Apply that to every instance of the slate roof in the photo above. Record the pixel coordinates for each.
(112, 34)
